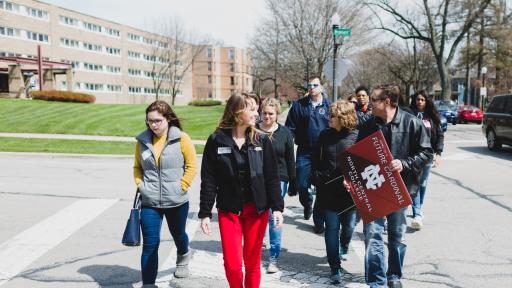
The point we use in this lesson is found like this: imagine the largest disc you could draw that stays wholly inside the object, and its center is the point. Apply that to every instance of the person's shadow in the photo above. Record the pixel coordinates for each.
(112, 275)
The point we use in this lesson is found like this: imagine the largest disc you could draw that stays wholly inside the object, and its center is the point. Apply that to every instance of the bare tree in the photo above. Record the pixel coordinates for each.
(439, 23)
(173, 54)
(299, 31)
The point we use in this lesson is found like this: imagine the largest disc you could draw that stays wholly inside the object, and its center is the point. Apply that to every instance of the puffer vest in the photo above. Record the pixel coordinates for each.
(161, 186)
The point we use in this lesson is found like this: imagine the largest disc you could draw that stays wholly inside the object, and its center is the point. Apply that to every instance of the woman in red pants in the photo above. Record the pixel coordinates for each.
(239, 172)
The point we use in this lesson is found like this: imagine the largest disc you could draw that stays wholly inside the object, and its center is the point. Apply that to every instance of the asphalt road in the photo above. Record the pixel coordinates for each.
(62, 217)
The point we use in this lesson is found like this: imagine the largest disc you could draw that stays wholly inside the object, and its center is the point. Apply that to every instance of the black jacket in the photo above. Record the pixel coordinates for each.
(326, 171)
(436, 135)
(410, 143)
(219, 175)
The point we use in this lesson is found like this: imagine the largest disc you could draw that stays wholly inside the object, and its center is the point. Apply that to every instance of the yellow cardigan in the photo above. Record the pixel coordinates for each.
(189, 155)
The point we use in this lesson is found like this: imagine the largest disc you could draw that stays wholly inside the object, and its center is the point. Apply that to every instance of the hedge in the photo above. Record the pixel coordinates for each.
(63, 96)
(205, 103)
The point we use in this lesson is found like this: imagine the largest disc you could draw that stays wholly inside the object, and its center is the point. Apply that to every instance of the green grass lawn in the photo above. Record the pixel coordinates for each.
(35, 116)
(8, 144)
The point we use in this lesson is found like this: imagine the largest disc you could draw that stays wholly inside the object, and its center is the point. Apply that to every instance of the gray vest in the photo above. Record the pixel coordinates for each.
(161, 186)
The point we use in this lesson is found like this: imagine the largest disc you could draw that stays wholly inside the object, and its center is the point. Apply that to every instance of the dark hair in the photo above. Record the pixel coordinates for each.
(362, 88)
(391, 91)
(430, 108)
(165, 109)
(313, 77)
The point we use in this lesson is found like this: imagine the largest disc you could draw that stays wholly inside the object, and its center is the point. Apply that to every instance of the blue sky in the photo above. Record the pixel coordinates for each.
(231, 21)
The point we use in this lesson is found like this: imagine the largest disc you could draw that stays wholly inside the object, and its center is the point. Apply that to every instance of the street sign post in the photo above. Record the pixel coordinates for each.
(342, 32)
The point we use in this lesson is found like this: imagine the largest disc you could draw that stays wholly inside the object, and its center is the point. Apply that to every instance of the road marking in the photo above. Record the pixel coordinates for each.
(20, 251)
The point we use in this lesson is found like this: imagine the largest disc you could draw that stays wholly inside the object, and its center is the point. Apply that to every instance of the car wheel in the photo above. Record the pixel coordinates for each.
(454, 122)
(492, 143)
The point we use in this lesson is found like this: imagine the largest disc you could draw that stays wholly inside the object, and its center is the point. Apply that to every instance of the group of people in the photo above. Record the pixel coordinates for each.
(248, 167)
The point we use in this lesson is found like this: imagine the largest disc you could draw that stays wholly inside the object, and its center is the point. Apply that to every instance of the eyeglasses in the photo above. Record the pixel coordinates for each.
(313, 85)
(154, 121)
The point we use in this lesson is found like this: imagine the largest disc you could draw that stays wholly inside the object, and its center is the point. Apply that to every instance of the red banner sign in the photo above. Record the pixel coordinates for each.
(376, 190)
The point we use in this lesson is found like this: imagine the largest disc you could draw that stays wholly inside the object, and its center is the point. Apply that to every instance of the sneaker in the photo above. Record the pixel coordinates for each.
(272, 265)
(336, 277)
(417, 223)
(266, 245)
(395, 283)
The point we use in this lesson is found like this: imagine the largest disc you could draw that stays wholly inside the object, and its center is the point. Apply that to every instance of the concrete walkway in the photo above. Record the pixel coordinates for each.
(78, 137)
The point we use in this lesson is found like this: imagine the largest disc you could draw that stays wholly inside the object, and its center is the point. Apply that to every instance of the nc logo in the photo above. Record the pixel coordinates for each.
(372, 177)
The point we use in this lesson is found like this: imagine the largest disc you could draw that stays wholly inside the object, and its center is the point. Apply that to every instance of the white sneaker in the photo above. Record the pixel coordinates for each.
(272, 265)
(417, 223)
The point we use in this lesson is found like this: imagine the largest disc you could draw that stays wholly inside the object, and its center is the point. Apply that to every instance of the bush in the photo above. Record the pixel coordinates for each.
(63, 96)
(205, 103)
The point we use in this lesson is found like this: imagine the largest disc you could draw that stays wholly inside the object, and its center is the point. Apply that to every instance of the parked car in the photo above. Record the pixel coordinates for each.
(444, 123)
(497, 123)
(449, 112)
(468, 113)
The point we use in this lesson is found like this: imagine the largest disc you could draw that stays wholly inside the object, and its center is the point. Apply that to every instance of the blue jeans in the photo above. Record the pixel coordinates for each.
(151, 223)
(333, 239)
(417, 201)
(374, 262)
(303, 170)
(276, 233)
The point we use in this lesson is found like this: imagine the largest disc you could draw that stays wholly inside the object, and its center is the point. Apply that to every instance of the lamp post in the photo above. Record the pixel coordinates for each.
(483, 90)
(335, 20)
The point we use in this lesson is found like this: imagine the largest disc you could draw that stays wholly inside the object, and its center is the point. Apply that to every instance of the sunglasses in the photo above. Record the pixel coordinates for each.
(313, 85)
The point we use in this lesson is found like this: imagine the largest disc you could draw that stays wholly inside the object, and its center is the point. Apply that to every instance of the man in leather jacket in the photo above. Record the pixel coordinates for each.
(409, 144)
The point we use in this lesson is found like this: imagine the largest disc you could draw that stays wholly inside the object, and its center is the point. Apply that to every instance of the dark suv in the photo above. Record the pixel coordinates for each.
(497, 123)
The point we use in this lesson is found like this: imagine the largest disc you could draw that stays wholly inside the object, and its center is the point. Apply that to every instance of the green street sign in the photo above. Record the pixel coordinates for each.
(342, 32)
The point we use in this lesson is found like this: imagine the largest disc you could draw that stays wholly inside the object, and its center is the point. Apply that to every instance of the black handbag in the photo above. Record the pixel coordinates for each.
(131, 235)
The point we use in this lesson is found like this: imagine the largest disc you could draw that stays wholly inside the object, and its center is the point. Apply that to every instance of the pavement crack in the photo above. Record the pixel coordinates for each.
(481, 195)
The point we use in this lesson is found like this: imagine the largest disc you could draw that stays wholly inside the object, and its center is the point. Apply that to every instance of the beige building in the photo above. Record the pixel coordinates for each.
(221, 71)
(114, 62)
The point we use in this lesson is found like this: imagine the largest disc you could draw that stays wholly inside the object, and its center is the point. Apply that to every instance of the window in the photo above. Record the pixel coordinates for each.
(92, 27)
(232, 80)
(112, 32)
(148, 41)
(12, 7)
(178, 78)
(231, 54)
(134, 72)
(209, 79)
(68, 21)
(93, 67)
(69, 43)
(232, 67)
(36, 13)
(114, 88)
(150, 58)
(209, 66)
(8, 31)
(134, 90)
(92, 47)
(114, 69)
(93, 87)
(113, 51)
(134, 55)
(210, 94)
(133, 37)
(37, 37)
(209, 52)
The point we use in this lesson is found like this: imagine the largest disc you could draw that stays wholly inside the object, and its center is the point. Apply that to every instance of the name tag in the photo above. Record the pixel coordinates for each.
(258, 149)
(146, 154)
(224, 150)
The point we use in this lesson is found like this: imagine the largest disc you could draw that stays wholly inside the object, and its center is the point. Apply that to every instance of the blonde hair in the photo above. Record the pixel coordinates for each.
(234, 107)
(271, 102)
(345, 112)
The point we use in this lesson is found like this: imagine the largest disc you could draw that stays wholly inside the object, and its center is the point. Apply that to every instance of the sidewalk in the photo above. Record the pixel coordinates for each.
(78, 137)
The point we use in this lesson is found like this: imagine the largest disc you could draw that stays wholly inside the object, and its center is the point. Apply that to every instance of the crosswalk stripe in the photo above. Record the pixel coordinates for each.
(20, 251)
